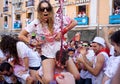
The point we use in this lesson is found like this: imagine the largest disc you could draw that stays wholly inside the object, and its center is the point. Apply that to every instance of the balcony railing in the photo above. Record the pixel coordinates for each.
(17, 25)
(18, 6)
(82, 20)
(114, 19)
(5, 25)
(5, 9)
(30, 3)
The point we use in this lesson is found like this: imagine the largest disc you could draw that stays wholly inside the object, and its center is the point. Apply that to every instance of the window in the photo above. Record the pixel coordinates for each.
(82, 11)
(5, 3)
(82, 8)
(17, 23)
(116, 7)
(5, 19)
(18, 5)
(5, 22)
(29, 15)
(84, 1)
(58, 0)
(18, 17)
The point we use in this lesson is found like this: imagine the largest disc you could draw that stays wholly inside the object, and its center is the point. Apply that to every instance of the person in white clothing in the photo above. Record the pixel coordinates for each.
(47, 28)
(97, 67)
(111, 68)
(25, 61)
(114, 61)
(86, 76)
(2, 57)
(115, 79)
(115, 38)
(7, 71)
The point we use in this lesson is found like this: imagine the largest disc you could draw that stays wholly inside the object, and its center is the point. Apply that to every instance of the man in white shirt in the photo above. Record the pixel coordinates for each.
(100, 60)
(114, 61)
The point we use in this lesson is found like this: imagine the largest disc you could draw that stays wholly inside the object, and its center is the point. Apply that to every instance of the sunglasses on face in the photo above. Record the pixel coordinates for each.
(42, 9)
(85, 45)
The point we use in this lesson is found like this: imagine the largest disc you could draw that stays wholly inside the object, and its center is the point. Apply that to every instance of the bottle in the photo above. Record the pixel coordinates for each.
(33, 38)
(33, 35)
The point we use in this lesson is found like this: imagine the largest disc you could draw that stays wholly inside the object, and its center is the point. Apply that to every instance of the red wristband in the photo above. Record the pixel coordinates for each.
(64, 31)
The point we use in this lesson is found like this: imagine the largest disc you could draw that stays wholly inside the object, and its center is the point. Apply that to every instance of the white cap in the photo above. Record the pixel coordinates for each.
(99, 40)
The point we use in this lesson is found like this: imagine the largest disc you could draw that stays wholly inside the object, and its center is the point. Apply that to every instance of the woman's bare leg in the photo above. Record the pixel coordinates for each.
(29, 80)
(32, 73)
(48, 70)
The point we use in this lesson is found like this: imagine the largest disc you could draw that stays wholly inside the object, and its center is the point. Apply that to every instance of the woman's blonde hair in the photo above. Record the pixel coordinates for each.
(51, 15)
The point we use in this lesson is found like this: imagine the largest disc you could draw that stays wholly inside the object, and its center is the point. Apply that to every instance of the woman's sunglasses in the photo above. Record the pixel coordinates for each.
(45, 8)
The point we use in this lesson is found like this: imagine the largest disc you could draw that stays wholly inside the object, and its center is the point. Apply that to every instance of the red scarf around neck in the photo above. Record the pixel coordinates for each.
(104, 50)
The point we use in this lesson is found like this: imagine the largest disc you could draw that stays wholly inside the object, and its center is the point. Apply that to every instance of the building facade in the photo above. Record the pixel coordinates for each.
(90, 14)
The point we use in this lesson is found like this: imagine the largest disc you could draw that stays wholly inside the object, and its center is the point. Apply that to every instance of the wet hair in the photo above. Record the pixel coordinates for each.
(5, 66)
(63, 57)
(115, 37)
(8, 45)
(51, 14)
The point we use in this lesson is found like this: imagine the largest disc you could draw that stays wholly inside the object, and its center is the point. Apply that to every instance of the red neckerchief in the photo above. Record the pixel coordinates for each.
(104, 50)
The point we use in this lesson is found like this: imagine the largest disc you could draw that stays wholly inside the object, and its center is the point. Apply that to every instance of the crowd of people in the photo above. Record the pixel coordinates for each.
(39, 55)
(82, 14)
